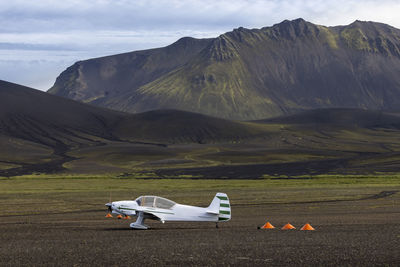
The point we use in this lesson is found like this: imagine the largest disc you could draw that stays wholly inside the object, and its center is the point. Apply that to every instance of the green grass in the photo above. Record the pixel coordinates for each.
(60, 184)
(57, 183)
(53, 194)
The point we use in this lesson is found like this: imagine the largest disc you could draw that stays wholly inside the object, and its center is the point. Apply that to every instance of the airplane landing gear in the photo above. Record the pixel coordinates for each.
(139, 224)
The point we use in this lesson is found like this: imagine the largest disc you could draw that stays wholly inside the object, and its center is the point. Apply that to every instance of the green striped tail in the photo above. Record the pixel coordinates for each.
(224, 207)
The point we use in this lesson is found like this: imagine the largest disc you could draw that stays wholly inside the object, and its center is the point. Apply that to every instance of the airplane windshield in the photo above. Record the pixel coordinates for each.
(164, 203)
(155, 202)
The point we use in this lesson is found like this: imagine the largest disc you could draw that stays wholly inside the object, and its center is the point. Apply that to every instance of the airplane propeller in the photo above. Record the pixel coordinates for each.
(109, 207)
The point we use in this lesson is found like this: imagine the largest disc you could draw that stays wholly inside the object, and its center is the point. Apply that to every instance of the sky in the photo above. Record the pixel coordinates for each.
(41, 38)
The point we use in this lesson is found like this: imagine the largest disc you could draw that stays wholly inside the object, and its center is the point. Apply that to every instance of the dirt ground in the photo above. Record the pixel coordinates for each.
(357, 233)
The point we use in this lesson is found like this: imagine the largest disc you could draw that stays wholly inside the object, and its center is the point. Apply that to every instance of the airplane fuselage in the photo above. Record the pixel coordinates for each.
(183, 213)
(162, 209)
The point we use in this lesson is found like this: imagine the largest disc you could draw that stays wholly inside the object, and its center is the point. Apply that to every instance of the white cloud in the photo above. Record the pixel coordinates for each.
(87, 28)
(55, 15)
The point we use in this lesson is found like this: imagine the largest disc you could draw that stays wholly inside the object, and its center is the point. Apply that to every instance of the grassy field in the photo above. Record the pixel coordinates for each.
(59, 220)
(73, 193)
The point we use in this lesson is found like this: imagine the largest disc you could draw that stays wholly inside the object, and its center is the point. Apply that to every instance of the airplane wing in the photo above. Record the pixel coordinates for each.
(154, 213)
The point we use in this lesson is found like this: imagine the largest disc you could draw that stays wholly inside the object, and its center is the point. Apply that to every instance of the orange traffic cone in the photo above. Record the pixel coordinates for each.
(288, 226)
(108, 215)
(307, 227)
(127, 217)
(119, 216)
(267, 226)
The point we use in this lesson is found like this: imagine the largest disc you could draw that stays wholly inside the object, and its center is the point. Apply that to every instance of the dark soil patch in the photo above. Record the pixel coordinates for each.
(382, 194)
(256, 171)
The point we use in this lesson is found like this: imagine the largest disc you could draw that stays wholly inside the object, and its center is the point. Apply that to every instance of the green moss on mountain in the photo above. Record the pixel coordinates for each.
(356, 39)
(329, 36)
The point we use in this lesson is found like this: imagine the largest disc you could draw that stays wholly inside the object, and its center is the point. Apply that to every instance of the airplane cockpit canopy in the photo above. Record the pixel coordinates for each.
(155, 202)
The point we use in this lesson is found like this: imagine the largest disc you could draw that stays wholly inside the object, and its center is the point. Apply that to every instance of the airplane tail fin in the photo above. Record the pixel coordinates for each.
(221, 206)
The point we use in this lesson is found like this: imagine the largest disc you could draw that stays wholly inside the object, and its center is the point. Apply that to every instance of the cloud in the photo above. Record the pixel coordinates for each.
(48, 15)
(100, 27)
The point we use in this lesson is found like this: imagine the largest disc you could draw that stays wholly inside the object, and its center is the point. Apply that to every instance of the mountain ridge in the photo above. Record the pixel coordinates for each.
(249, 74)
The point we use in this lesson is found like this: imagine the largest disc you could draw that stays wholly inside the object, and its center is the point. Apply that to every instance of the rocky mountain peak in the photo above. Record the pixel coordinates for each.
(249, 73)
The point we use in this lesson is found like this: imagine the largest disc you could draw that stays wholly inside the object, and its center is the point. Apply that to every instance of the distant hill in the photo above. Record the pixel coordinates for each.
(55, 121)
(51, 120)
(249, 74)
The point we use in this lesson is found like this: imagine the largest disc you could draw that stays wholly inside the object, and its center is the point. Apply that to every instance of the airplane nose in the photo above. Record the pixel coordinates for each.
(109, 205)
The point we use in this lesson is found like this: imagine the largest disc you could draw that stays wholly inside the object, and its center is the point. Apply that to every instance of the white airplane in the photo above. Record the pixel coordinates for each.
(162, 209)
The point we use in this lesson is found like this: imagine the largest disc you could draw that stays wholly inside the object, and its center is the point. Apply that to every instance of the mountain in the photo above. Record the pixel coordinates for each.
(249, 74)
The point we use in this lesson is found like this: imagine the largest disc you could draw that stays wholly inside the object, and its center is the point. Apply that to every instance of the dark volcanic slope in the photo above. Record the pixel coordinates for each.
(107, 79)
(249, 74)
(173, 126)
(55, 121)
(43, 118)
